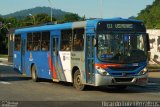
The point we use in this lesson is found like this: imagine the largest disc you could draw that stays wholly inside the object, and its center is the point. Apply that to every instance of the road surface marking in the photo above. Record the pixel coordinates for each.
(4, 82)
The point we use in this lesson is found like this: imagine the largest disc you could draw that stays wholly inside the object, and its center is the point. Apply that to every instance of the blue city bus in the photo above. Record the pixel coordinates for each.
(99, 52)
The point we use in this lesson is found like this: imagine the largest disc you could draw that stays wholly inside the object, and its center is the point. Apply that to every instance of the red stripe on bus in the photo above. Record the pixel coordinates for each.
(107, 65)
(51, 66)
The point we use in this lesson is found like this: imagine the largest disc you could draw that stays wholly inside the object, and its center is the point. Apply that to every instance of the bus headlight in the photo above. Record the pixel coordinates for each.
(102, 71)
(143, 71)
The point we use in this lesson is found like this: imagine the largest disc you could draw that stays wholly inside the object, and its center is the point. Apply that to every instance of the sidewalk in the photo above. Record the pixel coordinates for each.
(153, 67)
(154, 77)
(5, 61)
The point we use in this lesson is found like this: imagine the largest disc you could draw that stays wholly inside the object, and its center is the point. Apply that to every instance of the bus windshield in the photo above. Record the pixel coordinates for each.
(122, 48)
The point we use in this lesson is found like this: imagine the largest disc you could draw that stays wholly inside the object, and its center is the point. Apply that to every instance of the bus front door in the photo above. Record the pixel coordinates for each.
(90, 59)
(57, 69)
(23, 45)
(54, 54)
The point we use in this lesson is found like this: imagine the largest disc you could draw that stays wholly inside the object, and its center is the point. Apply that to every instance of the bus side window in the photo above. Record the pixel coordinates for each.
(78, 39)
(36, 41)
(45, 41)
(29, 42)
(17, 45)
(66, 36)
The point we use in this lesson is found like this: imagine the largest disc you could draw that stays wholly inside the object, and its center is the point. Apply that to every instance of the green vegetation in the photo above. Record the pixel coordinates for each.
(38, 16)
(57, 13)
(151, 15)
(3, 56)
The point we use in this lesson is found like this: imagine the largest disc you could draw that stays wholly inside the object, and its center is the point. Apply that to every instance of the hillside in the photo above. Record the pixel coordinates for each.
(151, 15)
(57, 13)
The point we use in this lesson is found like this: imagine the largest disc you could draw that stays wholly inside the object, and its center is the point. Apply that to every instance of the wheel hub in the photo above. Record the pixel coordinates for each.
(78, 80)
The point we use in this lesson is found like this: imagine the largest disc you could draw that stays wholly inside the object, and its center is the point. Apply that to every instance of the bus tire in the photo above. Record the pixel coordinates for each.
(77, 83)
(34, 73)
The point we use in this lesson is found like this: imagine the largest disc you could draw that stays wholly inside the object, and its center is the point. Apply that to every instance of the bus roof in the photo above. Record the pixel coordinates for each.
(117, 19)
(92, 22)
(44, 28)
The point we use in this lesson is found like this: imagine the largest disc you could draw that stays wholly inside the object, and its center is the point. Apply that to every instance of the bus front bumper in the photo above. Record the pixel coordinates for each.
(130, 80)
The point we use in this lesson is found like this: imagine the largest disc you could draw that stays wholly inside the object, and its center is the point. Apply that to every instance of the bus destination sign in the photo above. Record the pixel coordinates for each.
(119, 26)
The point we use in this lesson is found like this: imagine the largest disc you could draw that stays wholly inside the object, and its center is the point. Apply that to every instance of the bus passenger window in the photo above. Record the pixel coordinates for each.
(45, 41)
(66, 36)
(78, 42)
(45, 46)
(29, 42)
(37, 46)
(17, 45)
(36, 41)
(29, 47)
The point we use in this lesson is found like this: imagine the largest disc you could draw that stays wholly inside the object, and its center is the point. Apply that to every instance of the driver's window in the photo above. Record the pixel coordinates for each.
(78, 39)
(140, 42)
(66, 40)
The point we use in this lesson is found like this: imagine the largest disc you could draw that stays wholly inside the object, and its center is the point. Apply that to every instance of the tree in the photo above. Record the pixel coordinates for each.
(83, 18)
(151, 15)
(3, 41)
(43, 18)
(71, 17)
(39, 19)
(2, 36)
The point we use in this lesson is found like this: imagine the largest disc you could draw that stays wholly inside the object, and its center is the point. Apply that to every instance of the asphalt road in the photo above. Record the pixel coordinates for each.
(16, 87)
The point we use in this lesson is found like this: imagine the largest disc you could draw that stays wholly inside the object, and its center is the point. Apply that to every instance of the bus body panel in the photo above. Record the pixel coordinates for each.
(60, 65)
(17, 61)
(129, 73)
(109, 80)
(65, 59)
(58, 72)
(23, 52)
(77, 60)
(40, 60)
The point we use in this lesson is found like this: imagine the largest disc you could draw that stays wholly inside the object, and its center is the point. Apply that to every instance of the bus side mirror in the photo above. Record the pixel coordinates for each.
(148, 42)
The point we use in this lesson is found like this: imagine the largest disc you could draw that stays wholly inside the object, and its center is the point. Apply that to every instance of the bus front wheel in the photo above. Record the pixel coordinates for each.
(34, 74)
(78, 81)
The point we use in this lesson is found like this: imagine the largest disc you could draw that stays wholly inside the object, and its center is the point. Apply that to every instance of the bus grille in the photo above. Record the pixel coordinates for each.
(123, 79)
(131, 68)
(121, 74)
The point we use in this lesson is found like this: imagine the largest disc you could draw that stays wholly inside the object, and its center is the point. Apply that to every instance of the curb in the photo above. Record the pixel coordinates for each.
(3, 59)
(154, 70)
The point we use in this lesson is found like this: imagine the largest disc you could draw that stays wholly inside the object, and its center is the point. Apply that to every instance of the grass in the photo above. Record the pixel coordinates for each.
(3, 56)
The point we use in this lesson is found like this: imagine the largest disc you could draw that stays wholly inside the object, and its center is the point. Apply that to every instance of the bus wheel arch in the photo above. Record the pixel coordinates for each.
(34, 72)
(77, 79)
(73, 72)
